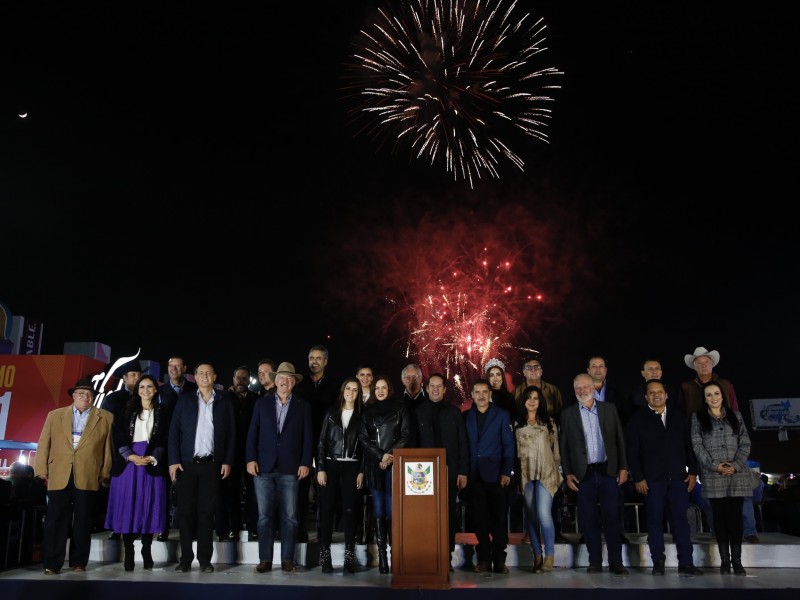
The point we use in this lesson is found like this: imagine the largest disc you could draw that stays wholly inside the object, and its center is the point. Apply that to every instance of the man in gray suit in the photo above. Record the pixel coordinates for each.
(594, 466)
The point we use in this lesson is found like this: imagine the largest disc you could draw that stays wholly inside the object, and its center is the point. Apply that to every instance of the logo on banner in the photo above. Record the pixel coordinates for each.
(418, 479)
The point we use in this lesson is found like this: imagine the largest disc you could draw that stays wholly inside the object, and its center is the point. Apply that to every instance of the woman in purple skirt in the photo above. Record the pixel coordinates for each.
(137, 499)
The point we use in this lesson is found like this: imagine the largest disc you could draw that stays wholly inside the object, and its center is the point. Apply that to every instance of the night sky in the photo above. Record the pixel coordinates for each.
(186, 180)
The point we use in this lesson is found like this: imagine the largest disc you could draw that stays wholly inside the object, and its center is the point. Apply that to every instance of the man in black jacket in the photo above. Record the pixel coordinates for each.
(664, 470)
(440, 425)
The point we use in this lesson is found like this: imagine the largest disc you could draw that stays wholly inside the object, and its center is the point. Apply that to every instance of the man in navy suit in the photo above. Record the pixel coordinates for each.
(594, 465)
(492, 449)
(278, 454)
(664, 470)
(202, 443)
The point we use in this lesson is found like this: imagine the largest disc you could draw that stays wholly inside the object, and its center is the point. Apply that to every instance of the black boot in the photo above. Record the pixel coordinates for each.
(380, 538)
(325, 558)
(736, 560)
(127, 542)
(724, 559)
(147, 557)
(349, 559)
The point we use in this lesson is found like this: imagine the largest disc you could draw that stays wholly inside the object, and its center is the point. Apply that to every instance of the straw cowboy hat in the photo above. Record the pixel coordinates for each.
(285, 368)
(700, 351)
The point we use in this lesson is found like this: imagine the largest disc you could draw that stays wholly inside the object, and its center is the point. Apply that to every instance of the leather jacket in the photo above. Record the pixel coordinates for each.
(385, 426)
(336, 442)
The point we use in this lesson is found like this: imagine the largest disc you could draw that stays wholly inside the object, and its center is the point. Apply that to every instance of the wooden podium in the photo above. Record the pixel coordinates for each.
(420, 533)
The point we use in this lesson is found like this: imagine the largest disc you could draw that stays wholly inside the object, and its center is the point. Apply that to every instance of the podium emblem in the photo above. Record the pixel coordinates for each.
(418, 479)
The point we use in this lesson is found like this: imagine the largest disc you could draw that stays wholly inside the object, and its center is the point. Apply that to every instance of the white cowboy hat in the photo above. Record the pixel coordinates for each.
(700, 351)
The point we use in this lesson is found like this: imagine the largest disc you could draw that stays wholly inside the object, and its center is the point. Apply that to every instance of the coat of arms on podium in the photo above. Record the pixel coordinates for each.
(418, 479)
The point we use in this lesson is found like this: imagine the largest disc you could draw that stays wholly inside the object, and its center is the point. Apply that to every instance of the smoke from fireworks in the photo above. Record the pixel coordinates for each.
(454, 81)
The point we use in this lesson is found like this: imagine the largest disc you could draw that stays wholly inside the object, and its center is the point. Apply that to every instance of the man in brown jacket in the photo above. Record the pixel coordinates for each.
(74, 459)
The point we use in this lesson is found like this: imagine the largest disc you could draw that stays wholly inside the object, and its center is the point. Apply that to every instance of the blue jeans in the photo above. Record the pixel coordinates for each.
(382, 499)
(539, 518)
(271, 488)
(748, 517)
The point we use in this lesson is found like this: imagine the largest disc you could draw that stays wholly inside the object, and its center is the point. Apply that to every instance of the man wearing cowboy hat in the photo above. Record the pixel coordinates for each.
(278, 454)
(73, 458)
(691, 394)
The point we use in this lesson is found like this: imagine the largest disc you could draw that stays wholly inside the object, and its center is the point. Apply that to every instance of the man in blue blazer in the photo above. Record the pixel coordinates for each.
(278, 453)
(492, 449)
(594, 465)
(202, 442)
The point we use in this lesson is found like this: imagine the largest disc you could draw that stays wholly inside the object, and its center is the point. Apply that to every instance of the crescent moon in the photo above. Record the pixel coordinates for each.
(23, 115)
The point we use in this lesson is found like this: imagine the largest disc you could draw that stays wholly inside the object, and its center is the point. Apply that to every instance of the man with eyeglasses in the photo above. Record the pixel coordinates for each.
(532, 372)
(74, 460)
(413, 394)
(595, 467)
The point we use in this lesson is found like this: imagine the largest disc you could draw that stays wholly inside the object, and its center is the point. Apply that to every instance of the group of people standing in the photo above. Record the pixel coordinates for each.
(341, 438)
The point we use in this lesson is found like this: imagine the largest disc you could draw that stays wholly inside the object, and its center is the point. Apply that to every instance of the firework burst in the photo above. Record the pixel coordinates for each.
(455, 82)
(468, 312)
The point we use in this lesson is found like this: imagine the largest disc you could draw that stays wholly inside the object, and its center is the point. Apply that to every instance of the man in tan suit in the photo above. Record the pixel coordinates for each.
(74, 459)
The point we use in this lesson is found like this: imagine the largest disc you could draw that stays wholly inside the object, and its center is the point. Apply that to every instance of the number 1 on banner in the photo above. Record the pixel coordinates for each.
(5, 407)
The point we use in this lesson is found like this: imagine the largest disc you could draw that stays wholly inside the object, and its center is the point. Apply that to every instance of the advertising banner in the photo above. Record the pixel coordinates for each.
(30, 387)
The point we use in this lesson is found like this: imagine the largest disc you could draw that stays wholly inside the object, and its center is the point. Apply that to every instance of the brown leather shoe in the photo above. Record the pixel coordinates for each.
(52, 571)
(79, 569)
(287, 566)
(263, 566)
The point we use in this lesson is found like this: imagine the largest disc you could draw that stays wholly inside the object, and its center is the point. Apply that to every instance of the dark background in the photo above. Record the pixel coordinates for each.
(186, 180)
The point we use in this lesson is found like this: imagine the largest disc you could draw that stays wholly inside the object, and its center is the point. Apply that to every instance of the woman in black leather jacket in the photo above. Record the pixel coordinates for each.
(339, 473)
(386, 425)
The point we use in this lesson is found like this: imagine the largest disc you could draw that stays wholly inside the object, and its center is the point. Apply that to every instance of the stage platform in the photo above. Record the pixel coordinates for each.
(774, 550)
(773, 568)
